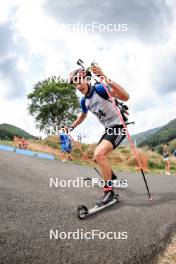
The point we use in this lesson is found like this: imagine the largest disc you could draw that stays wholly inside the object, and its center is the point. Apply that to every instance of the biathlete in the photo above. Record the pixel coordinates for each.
(96, 100)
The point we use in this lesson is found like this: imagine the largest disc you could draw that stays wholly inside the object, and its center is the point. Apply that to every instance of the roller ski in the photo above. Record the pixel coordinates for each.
(109, 198)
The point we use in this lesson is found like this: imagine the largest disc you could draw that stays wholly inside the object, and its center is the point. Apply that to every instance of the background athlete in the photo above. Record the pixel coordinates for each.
(96, 100)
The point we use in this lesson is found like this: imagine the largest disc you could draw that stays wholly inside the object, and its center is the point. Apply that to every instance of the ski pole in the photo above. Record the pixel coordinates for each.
(84, 154)
(129, 139)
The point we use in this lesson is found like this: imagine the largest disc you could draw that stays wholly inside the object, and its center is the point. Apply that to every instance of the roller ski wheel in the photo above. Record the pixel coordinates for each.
(83, 211)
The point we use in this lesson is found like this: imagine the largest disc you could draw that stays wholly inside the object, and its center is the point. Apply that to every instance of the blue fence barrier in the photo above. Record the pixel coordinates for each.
(27, 152)
(8, 148)
(45, 156)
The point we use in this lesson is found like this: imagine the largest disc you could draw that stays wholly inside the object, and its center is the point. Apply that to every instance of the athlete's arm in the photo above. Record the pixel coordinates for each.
(79, 119)
(116, 90)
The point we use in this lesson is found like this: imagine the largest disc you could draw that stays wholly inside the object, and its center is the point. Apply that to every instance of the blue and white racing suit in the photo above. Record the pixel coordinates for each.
(97, 102)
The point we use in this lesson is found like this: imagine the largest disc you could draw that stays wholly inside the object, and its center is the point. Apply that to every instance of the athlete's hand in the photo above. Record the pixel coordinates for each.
(71, 129)
(97, 71)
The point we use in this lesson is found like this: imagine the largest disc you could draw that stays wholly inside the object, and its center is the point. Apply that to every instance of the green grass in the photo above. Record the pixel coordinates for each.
(7, 143)
(155, 165)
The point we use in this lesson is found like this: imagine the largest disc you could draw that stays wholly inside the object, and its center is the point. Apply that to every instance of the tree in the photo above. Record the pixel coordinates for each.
(53, 101)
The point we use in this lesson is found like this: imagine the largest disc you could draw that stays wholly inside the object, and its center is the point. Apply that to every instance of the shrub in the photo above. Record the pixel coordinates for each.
(52, 141)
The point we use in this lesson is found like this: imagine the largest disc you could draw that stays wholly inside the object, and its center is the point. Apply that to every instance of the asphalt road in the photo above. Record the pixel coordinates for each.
(29, 209)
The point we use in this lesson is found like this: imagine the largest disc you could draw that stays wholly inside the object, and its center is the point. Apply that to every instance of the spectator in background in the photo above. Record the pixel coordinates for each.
(65, 142)
(166, 159)
(79, 137)
(68, 144)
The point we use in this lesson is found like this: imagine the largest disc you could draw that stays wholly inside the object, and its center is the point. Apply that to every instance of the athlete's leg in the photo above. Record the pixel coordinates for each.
(101, 157)
(106, 144)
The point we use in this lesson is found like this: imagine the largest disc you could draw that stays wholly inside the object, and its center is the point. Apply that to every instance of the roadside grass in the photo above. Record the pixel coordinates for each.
(169, 255)
(7, 143)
